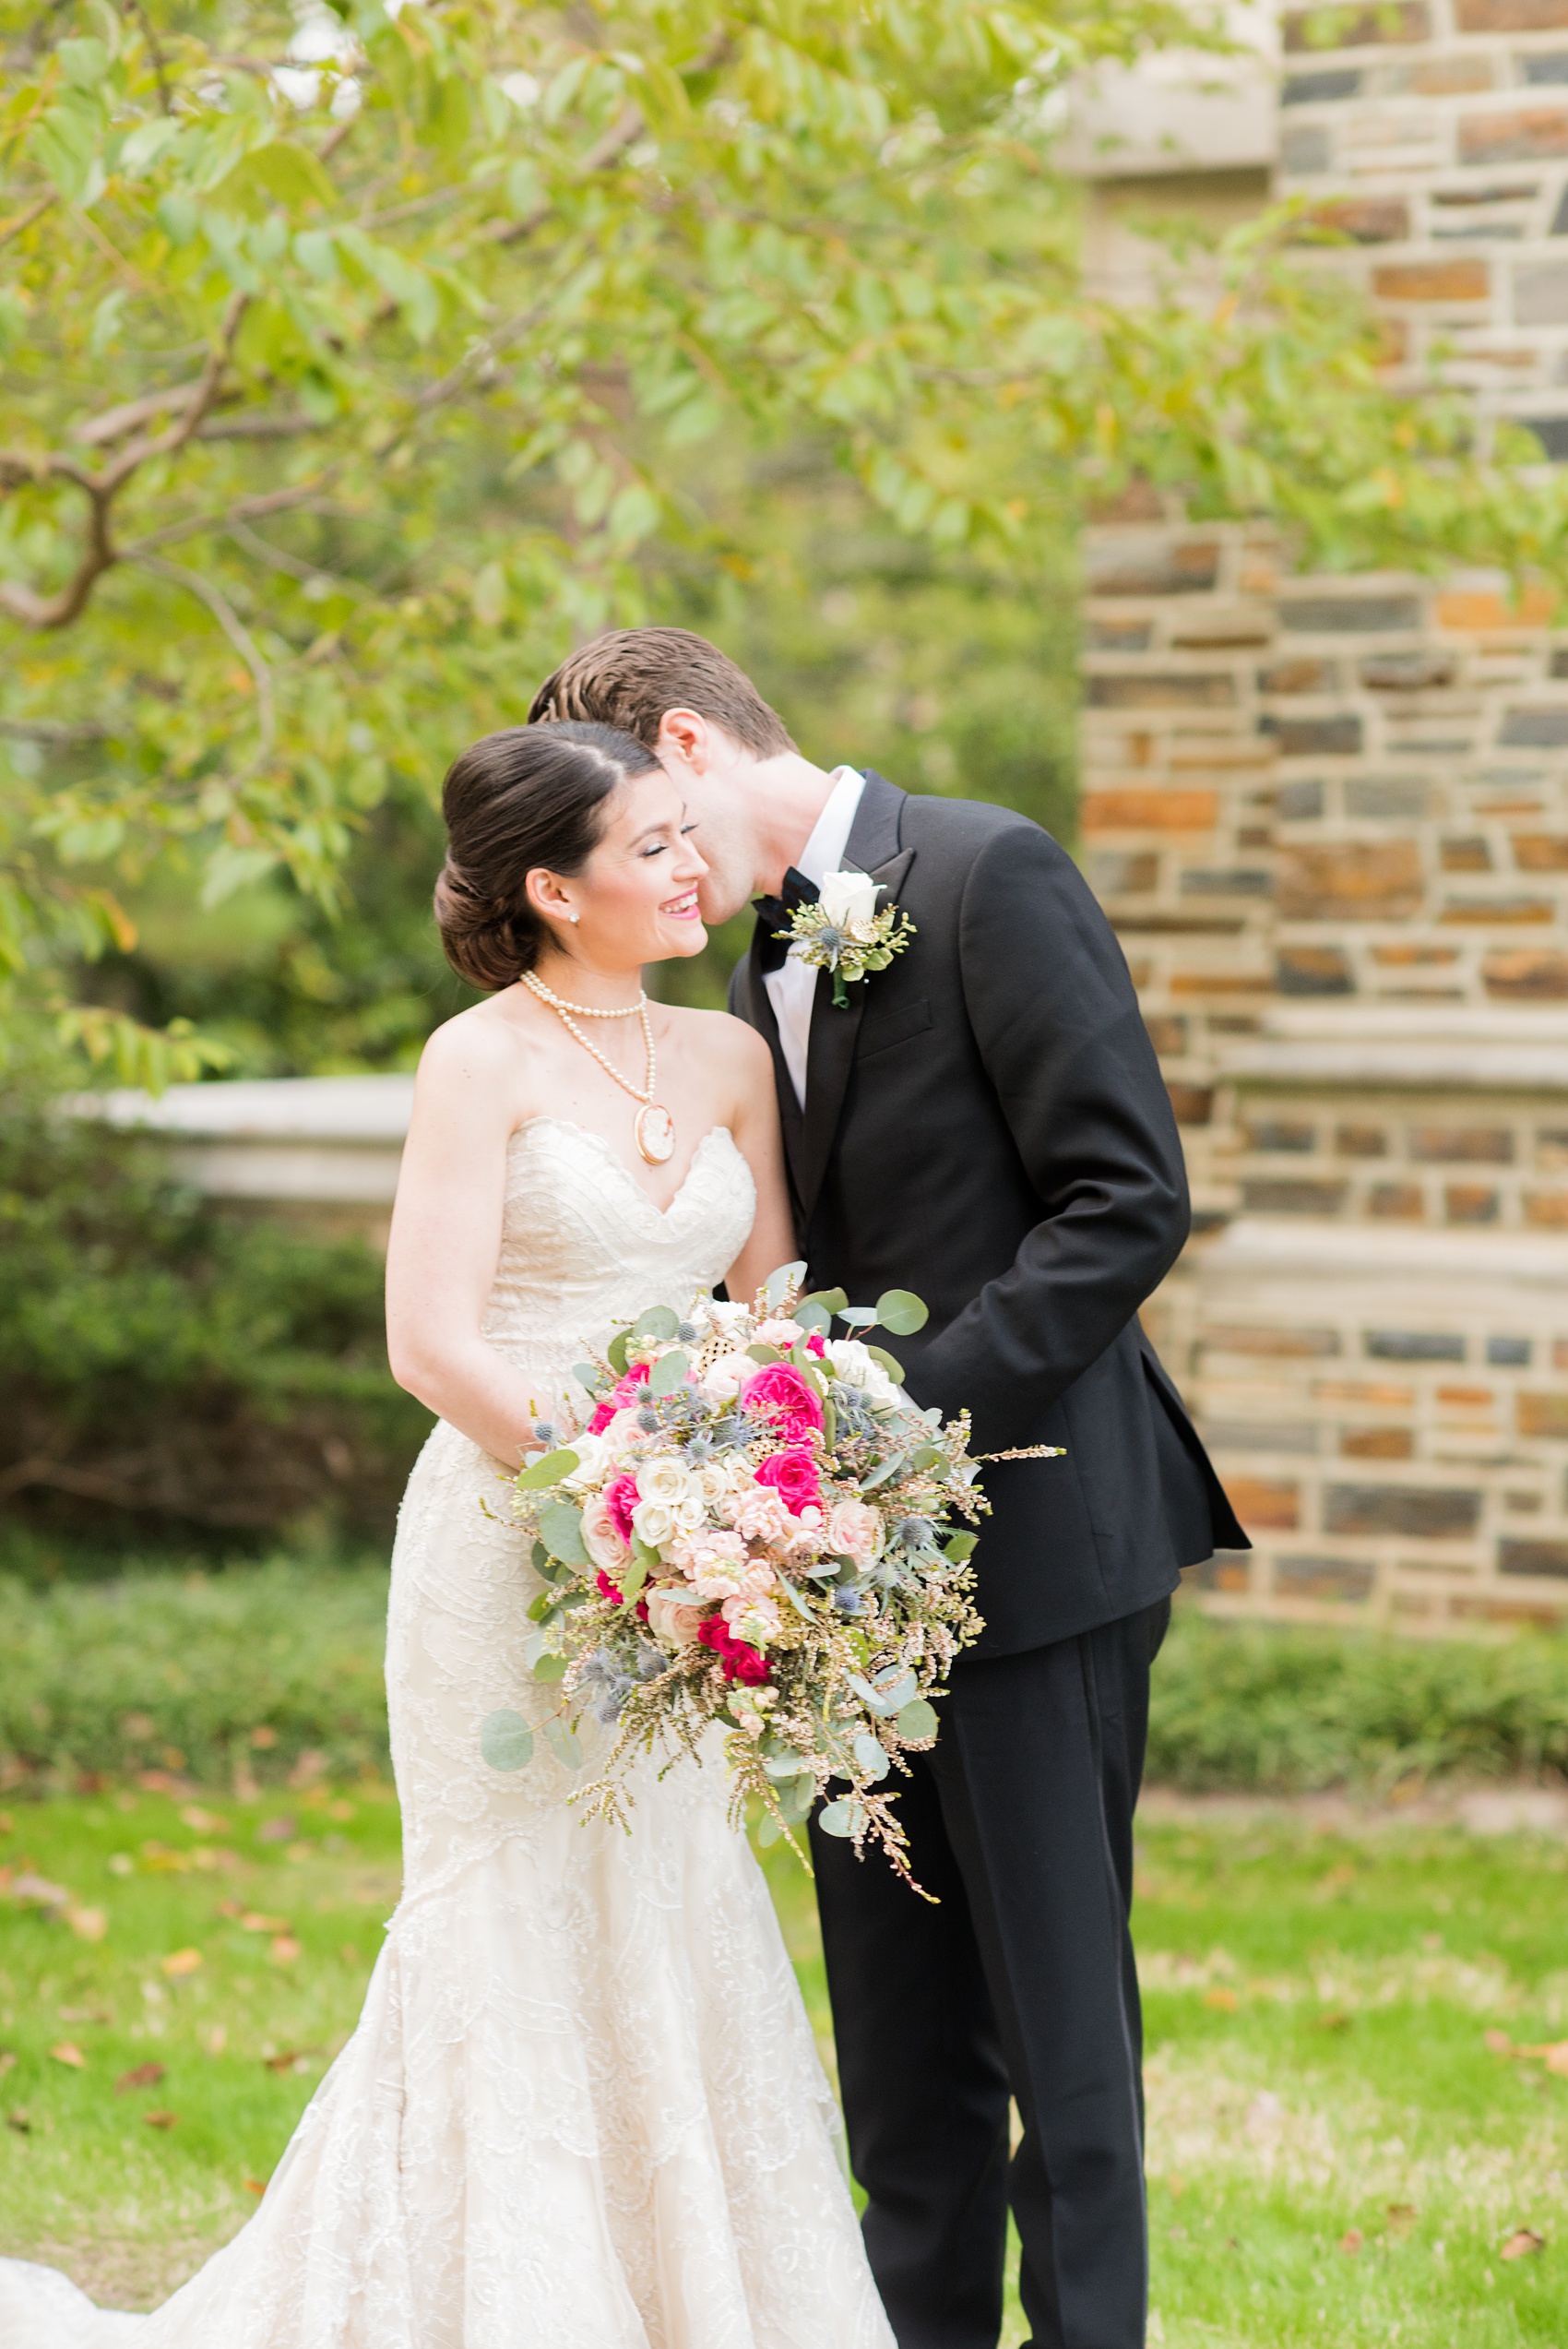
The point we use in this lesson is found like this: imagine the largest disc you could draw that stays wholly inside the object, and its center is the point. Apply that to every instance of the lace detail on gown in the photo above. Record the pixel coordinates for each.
(582, 2108)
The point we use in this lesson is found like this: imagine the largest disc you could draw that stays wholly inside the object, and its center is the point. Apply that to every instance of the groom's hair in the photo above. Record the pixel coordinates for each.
(629, 677)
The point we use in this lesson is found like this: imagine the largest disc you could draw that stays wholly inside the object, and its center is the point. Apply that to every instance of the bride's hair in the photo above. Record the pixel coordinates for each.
(527, 798)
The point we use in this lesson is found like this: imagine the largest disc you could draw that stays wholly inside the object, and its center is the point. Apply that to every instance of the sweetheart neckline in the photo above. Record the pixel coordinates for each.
(570, 1125)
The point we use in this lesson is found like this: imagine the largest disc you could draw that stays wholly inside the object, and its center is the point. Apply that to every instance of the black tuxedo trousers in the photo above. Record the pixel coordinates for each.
(1018, 1984)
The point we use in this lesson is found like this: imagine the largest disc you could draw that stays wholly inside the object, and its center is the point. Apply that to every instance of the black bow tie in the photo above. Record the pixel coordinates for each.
(773, 915)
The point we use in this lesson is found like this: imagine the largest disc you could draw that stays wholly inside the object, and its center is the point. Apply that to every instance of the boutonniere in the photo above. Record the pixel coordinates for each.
(844, 933)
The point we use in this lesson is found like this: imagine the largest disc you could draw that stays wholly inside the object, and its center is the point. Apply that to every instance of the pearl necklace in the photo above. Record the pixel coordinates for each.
(653, 1128)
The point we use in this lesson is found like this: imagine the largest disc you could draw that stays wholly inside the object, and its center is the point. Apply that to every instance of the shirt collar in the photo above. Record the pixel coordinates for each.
(824, 853)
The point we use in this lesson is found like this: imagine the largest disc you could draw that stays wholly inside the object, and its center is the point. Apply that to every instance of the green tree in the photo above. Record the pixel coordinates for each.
(347, 359)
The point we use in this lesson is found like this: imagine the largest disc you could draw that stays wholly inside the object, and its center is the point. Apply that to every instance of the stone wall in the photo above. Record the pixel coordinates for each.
(1329, 817)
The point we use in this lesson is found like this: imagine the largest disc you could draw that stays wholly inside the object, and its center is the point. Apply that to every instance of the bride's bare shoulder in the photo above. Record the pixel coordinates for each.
(480, 1051)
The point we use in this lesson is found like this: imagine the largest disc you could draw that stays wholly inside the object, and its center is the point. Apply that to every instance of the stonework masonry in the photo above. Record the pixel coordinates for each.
(1329, 818)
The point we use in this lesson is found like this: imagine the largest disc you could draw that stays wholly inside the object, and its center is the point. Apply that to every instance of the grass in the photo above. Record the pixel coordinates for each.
(1336, 2152)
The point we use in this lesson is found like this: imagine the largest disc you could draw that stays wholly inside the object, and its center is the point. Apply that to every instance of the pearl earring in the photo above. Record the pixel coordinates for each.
(573, 917)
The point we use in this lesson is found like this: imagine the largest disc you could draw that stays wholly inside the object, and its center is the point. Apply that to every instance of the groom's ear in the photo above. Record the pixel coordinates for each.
(686, 741)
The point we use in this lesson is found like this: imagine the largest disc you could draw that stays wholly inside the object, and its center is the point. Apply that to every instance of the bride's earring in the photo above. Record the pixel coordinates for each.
(573, 917)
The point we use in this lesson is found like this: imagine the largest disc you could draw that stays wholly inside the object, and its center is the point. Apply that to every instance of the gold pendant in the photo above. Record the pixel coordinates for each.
(654, 1131)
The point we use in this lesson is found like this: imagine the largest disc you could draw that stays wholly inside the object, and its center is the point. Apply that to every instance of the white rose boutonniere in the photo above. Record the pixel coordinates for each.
(843, 933)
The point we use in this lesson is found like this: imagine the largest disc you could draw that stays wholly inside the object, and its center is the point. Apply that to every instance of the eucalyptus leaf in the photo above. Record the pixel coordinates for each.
(669, 1373)
(657, 1323)
(769, 1832)
(839, 1817)
(538, 1607)
(548, 1471)
(916, 1721)
(562, 1741)
(858, 1317)
(902, 1312)
(505, 1741)
(960, 1547)
(777, 1285)
(890, 1363)
(795, 1799)
(634, 1576)
(560, 1527)
(870, 1755)
(813, 1317)
(831, 1300)
(550, 1666)
(764, 1353)
(615, 1352)
(588, 1374)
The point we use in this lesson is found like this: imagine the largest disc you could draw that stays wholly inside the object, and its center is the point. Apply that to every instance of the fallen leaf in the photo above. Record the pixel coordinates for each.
(1226, 2001)
(256, 2185)
(120, 1863)
(140, 2076)
(161, 2120)
(203, 1822)
(1334, 2022)
(264, 1737)
(342, 1809)
(164, 1860)
(87, 1924)
(251, 1921)
(217, 2039)
(85, 2014)
(67, 2052)
(289, 2059)
(1351, 2241)
(276, 1830)
(8, 1824)
(1177, 2185)
(1401, 2217)
(37, 1890)
(285, 1949)
(8, 2062)
(20, 2123)
(349, 1952)
(181, 1961)
(1554, 2055)
(1498, 2043)
(297, 1852)
(1519, 2246)
(231, 1908)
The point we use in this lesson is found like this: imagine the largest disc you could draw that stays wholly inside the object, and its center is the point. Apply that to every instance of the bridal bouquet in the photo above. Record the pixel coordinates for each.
(754, 1528)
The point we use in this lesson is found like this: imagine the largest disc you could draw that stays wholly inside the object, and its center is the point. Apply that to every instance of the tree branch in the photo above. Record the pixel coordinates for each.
(292, 566)
(233, 628)
(54, 731)
(25, 220)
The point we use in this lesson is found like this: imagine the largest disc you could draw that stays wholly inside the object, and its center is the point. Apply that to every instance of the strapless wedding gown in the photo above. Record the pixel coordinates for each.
(582, 2108)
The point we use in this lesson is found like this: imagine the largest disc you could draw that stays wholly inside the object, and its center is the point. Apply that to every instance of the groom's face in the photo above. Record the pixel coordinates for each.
(712, 774)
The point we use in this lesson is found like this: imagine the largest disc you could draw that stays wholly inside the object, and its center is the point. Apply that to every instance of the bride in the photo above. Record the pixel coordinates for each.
(582, 2108)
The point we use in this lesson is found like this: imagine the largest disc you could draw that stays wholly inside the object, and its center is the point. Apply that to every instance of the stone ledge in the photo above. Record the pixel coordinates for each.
(1468, 1047)
(1263, 1247)
(320, 1141)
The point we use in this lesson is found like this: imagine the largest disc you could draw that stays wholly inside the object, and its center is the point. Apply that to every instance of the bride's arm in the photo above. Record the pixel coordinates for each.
(446, 1237)
(754, 1121)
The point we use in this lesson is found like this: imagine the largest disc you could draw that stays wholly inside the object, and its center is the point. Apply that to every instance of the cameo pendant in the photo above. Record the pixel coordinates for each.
(654, 1131)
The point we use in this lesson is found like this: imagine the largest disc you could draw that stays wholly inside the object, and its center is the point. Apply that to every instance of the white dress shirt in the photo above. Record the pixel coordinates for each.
(791, 989)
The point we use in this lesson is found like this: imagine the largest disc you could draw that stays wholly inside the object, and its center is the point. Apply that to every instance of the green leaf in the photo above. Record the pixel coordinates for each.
(831, 1300)
(812, 1316)
(657, 1323)
(902, 1312)
(615, 1354)
(769, 1832)
(890, 1363)
(837, 1818)
(588, 1375)
(916, 1721)
(872, 1756)
(505, 1741)
(550, 1666)
(548, 1471)
(766, 1353)
(562, 1742)
(669, 1373)
(632, 1578)
(780, 1283)
(561, 1526)
(858, 1317)
(960, 1547)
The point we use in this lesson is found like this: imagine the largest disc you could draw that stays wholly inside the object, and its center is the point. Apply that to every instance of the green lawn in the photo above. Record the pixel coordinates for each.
(1341, 2149)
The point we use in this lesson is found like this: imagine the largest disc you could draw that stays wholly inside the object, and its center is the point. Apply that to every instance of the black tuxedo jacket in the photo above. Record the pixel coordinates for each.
(987, 1125)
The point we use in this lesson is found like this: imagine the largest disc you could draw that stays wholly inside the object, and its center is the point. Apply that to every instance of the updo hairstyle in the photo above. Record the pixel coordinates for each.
(514, 802)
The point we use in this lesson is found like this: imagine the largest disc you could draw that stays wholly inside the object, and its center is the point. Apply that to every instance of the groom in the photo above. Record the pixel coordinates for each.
(985, 1124)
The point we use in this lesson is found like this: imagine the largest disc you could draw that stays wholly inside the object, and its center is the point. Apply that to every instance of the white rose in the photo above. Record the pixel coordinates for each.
(722, 1379)
(854, 1365)
(657, 1522)
(663, 1477)
(849, 897)
(724, 1317)
(671, 1616)
(593, 1457)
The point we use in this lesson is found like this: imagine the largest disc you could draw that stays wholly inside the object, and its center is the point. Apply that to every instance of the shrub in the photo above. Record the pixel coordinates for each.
(178, 1368)
(1286, 1708)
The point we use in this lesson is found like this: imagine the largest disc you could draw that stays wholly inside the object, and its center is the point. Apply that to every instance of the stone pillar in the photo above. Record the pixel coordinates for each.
(1373, 1322)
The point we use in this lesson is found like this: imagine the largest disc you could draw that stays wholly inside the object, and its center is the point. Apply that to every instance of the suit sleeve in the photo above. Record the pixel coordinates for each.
(1052, 1010)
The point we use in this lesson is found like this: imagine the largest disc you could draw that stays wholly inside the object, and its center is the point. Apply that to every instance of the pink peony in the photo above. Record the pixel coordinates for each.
(781, 1394)
(620, 1500)
(761, 1516)
(607, 1589)
(793, 1477)
(624, 1394)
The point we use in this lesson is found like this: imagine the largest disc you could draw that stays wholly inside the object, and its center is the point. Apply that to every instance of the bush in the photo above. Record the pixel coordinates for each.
(175, 1372)
(178, 1673)
(1283, 1709)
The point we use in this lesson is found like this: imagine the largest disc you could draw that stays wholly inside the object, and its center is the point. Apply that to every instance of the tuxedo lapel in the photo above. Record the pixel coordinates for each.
(873, 847)
(755, 1007)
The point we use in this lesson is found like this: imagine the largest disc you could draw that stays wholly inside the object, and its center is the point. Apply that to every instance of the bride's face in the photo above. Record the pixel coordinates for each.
(636, 899)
